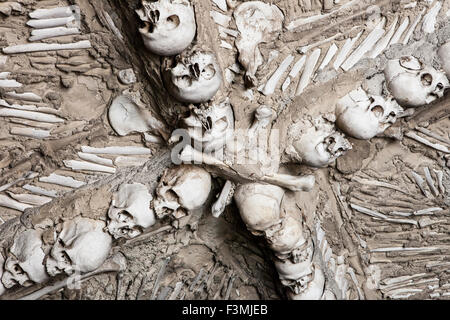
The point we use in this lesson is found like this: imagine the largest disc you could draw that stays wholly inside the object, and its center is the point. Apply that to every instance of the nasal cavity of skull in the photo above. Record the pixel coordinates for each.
(124, 216)
(378, 111)
(195, 70)
(173, 22)
(154, 16)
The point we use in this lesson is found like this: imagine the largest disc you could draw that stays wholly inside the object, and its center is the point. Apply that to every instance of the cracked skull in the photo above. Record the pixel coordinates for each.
(130, 211)
(414, 84)
(259, 206)
(364, 116)
(316, 143)
(167, 26)
(182, 189)
(210, 128)
(24, 264)
(194, 77)
(82, 246)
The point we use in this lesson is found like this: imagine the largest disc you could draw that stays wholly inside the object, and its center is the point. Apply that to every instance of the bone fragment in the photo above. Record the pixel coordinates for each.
(112, 26)
(27, 176)
(225, 197)
(311, 63)
(396, 249)
(413, 26)
(220, 18)
(401, 29)
(384, 42)
(427, 211)
(88, 166)
(95, 159)
(57, 12)
(293, 183)
(30, 132)
(30, 115)
(276, 77)
(48, 110)
(329, 56)
(62, 181)
(420, 183)
(305, 49)
(424, 141)
(345, 50)
(221, 4)
(363, 48)
(70, 22)
(378, 215)
(125, 150)
(430, 181)
(159, 278)
(27, 96)
(47, 33)
(7, 202)
(440, 177)
(130, 161)
(30, 198)
(226, 45)
(40, 191)
(433, 135)
(176, 291)
(5, 83)
(294, 72)
(227, 31)
(429, 20)
(36, 47)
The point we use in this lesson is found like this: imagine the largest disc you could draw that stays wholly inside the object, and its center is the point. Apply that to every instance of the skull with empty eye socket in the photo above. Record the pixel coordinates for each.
(81, 246)
(24, 264)
(130, 211)
(414, 84)
(363, 116)
(192, 77)
(316, 143)
(210, 128)
(167, 26)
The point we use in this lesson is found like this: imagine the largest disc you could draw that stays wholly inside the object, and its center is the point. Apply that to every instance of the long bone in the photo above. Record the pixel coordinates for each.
(293, 183)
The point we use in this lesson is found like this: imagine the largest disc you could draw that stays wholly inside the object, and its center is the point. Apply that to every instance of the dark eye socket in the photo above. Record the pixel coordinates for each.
(427, 79)
(378, 111)
(124, 215)
(440, 86)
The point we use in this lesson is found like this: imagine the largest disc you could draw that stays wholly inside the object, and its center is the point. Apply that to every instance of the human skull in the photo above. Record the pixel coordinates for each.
(414, 84)
(194, 77)
(82, 246)
(24, 263)
(2, 262)
(259, 206)
(314, 290)
(296, 276)
(130, 211)
(211, 128)
(168, 26)
(287, 239)
(444, 55)
(182, 189)
(363, 116)
(316, 143)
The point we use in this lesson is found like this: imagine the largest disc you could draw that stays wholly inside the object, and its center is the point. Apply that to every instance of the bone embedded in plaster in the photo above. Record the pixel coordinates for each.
(7, 202)
(7, 83)
(58, 12)
(40, 191)
(95, 159)
(363, 116)
(257, 22)
(384, 42)
(364, 47)
(130, 213)
(224, 199)
(194, 77)
(123, 150)
(30, 132)
(76, 165)
(444, 56)
(401, 29)
(294, 72)
(414, 84)
(127, 76)
(272, 83)
(123, 161)
(41, 34)
(30, 198)
(37, 47)
(221, 4)
(345, 50)
(27, 96)
(69, 22)
(259, 206)
(181, 190)
(220, 19)
(168, 26)
(429, 20)
(310, 66)
(315, 143)
(62, 181)
(24, 262)
(81, 247)
(329, 56)
(413, 26)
